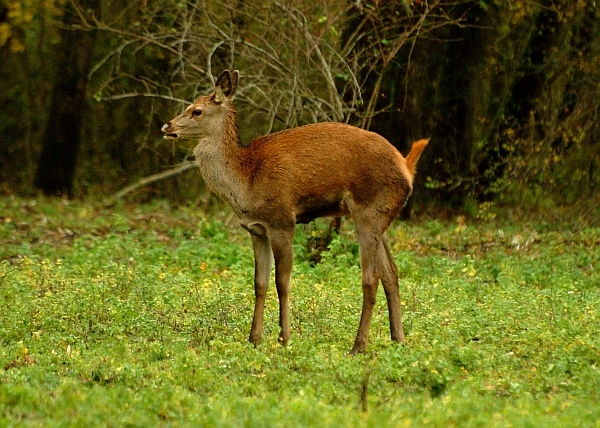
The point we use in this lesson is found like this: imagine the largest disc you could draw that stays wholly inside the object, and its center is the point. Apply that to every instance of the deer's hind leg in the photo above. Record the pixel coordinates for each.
(369, 237)
(388, 273)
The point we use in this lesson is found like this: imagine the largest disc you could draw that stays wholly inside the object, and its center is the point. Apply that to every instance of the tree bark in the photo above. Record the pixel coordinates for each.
(61, 139)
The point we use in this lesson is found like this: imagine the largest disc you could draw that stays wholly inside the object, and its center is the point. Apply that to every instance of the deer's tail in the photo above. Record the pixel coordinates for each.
(414, 155)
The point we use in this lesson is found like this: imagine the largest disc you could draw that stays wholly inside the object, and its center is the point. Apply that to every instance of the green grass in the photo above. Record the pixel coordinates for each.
(139, 316)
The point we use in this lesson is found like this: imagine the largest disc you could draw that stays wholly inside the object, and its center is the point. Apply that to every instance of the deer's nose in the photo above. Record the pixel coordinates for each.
(165, 126)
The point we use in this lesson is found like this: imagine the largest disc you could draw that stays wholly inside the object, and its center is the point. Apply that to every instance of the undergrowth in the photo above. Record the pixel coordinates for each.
(139, 316)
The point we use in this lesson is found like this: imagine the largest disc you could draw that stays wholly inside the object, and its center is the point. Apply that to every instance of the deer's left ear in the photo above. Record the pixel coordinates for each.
(226, 86)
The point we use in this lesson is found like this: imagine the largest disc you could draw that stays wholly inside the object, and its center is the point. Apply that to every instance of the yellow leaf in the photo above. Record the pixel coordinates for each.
(4, 33)
(16, 46)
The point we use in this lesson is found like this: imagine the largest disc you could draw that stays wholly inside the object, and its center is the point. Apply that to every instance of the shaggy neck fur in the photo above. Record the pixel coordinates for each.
(218, 158)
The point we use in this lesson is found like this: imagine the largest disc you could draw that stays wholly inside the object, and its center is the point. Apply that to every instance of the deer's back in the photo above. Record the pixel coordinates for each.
(323, 151)
(318, 167)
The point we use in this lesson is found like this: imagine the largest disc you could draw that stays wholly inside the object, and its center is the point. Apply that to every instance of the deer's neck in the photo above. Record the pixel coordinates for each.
(219, 158)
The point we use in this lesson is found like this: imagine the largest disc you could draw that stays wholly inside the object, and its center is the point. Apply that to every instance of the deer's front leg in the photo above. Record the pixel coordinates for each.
(262, 270)
(282, 244)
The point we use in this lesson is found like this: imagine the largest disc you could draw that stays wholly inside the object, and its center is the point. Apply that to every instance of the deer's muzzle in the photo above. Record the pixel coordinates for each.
(169, 135)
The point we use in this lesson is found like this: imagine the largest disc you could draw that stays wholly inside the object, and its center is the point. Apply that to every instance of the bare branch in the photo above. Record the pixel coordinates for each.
(150, 179)
(327, 64)
(143, 94)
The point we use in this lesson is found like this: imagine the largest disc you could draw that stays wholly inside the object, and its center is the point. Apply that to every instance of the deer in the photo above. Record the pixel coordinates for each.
(294, 176)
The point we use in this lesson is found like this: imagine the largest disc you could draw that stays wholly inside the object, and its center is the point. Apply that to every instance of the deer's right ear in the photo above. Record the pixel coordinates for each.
(226, 86)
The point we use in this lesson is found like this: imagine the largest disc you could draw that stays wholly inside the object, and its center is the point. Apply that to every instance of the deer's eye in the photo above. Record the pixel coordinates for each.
(196, 112)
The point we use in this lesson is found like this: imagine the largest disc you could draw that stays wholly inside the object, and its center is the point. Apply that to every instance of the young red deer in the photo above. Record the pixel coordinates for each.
(295, 176)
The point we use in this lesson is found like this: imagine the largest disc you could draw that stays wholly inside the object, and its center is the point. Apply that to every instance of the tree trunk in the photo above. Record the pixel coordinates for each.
(61, 139)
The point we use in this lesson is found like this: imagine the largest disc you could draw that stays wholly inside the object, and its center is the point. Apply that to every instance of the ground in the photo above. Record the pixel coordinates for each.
(139, 316)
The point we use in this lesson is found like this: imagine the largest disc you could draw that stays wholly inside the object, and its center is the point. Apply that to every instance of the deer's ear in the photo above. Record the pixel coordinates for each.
(226, 86)
(235, 76)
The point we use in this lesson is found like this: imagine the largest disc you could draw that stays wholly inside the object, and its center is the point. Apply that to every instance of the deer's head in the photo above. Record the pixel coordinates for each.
(206, 116)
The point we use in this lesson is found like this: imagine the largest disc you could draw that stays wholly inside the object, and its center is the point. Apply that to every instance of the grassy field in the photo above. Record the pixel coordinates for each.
(139, 316)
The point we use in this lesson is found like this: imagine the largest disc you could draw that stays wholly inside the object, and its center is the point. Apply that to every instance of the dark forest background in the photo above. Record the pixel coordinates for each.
(508, 91)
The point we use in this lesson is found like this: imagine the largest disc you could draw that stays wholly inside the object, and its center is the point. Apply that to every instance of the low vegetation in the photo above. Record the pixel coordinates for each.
(139, 316)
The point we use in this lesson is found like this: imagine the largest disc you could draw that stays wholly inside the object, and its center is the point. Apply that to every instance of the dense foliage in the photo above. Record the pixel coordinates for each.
(140, 316)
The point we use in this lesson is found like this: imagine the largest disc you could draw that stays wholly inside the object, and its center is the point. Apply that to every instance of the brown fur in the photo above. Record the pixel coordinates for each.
(295, 176)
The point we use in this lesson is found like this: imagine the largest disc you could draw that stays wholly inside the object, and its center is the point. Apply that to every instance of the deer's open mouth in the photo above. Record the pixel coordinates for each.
(169, 135)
